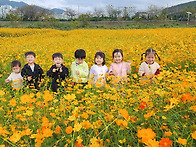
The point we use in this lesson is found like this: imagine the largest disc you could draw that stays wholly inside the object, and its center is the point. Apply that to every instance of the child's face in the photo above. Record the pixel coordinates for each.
(16, 69)
(79, 60)
(58, 61)
(118, 57)
(150, 58)
(30, 59)
(98, 60)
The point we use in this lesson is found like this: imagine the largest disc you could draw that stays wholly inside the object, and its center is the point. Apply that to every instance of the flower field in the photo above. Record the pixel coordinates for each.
(132, 114)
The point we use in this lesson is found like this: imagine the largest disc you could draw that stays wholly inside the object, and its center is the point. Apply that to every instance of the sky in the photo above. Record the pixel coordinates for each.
(89, 5)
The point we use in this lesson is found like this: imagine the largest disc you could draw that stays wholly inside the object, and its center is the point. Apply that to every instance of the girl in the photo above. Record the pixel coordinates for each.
(149, 67)
(119, 68)
(99, 69)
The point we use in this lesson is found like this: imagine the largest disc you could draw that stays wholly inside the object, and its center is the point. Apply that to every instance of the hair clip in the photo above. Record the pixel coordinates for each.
(99, 51)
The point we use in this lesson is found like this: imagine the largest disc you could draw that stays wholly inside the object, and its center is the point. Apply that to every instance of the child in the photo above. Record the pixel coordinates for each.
(79, 68)
(99, 69)
(32, 72)
(15, 77)
(149, 67)
(58, 71)
(119, 68)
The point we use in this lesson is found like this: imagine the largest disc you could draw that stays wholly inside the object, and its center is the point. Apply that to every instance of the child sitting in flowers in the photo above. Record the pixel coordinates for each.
(99, 69)
(149, 67)
(31, 71)
(58, 71)
(15, 77)
(119, 68)
(79, 68)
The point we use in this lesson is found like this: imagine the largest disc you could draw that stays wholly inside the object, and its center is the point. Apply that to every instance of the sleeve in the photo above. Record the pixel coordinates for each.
(128, 68)
(111, 68)
(49, 72)
(92, 71)
(64, 73)
(24, 73)
(85, 72)
(10, 77)
(72, 70)
(141, 70)
(107, 70)
(158, 70)
(41, 73)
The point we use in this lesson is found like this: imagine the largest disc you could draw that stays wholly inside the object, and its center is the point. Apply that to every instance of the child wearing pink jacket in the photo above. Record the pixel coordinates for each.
(119, 68)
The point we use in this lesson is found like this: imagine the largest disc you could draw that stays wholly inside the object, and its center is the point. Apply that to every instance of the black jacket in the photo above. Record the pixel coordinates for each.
(57, 76)
(36, 76)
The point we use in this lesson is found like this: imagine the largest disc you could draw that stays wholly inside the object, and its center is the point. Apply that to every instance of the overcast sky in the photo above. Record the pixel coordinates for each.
(89, 5)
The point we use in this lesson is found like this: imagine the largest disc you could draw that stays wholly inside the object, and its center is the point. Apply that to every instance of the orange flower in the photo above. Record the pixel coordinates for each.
(84, 115)
(69, 130)
(78, 144)
(86, 124)
(193, 108)
(187, 97)
(124, 113)
(182, 141)
(47, 132)
(25, 99)
(194, 135)
(146, 134)
(169, 133)
(57, 129)
(165, 142)
(13, 102)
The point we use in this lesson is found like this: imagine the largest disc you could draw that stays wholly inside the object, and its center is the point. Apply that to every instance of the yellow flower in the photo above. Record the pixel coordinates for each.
(77, 127)
(15, 137)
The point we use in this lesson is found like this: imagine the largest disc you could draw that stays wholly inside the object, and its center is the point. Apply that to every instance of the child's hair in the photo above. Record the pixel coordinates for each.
(148, 51)
(116, 51)
(57, 55)
(15, 63)
(29, 53)
(80, 53)
(102, 55)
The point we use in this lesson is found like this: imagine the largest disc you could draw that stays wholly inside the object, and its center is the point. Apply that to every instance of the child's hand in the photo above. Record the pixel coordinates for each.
(29, 78)
(77, 72)
(7, 80)
(129, 63)
(61, 70)
(54, 70)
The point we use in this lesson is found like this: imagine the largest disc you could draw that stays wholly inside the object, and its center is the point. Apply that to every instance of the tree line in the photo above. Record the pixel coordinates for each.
(110, 13)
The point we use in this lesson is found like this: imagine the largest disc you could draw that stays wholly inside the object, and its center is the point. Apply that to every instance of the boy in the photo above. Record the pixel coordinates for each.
(32, 72)
(58, 71)
(15, 77)
(79, 68)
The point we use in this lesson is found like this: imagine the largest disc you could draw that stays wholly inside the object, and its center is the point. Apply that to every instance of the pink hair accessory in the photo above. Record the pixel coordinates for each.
(99, 51)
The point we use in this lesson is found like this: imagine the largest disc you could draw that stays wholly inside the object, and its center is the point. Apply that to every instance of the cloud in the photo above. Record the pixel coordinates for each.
(89, 5)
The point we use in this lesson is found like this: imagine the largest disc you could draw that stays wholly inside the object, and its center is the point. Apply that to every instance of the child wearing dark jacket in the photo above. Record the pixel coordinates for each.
(58, 71)
(32, 73)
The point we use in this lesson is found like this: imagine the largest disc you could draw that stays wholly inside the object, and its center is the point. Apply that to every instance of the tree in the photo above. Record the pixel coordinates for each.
(153, 12)
(32, 12)
(70, 13)
(98, 12)
(113, 13)
(128, 12)
(84, 18)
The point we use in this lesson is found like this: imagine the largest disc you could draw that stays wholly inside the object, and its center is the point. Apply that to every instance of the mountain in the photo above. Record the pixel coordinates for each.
(57, 11)
(12, 3)
(180, 8)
